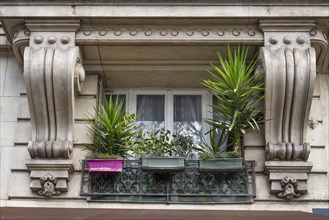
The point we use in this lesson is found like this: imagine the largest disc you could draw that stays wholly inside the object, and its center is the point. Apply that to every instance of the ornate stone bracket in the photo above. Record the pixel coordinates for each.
(49, 177)
(48, 184)
(53, 73)
(290, 65)
(289, 188)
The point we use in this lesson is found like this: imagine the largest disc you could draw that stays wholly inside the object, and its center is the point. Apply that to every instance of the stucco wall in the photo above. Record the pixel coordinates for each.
(16, 132)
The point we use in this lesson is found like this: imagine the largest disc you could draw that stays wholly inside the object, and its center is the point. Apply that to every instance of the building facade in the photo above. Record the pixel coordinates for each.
(58, 58)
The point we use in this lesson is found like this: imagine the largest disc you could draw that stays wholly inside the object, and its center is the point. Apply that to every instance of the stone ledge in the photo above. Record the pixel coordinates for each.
(288, 166)
(49, 177)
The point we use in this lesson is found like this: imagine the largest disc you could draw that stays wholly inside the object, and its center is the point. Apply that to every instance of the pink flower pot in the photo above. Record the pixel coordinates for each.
(105, 165)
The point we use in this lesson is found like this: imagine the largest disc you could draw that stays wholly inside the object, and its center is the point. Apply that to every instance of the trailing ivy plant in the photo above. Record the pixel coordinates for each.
(112, 130)
(240, 91)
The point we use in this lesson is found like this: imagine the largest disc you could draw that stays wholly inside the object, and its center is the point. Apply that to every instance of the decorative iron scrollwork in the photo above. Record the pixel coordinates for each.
(191, 185)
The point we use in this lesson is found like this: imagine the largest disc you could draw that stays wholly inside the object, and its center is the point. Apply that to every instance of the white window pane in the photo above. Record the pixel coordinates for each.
(150, 111)
(188, 116)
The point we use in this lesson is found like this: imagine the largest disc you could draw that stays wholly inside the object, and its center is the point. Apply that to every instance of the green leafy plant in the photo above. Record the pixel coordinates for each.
(157, 143)
(162, 143)
(240, 93)
(215, 147)
(112, 131)
(184, 146)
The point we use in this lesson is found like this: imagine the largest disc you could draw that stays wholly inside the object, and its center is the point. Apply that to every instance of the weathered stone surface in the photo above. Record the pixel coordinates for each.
(83, 107)
(318, 187)
(23, 110)
(255, 138)
(317, 87)
(316, 110)
(10, 106)
(7, 133)
(21, 156)
(5, 172)
(317, 136)
(23, 133)
(13, 77)
(80, 134)
(20, 186)
(258, 155)
(319, 158)
(79, 154)
(90, 86)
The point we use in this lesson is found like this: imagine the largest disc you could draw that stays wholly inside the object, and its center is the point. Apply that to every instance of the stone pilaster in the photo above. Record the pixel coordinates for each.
(290, 65)
(53, 73)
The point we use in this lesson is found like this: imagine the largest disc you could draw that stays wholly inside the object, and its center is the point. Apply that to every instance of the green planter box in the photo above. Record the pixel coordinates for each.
(220, 164)
(163, 164)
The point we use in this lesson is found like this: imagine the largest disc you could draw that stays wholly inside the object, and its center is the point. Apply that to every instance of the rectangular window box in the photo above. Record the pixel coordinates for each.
(221, 164)
(105, 165)
(163, 164)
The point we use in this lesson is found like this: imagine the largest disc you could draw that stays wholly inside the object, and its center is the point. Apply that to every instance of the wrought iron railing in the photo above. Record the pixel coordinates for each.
(189, 186)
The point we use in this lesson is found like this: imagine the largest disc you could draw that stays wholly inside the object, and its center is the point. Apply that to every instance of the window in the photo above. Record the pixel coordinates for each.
(181, 111)
(188, 115)
(150, 111)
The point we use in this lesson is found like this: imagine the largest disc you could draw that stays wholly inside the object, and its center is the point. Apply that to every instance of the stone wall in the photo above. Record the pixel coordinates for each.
(16, 132)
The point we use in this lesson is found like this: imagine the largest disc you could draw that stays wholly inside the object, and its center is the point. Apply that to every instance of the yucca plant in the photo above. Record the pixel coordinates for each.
(240, 92)
(112, 131)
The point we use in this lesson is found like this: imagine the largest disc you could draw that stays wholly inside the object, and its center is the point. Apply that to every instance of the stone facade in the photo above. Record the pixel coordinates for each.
(56, 59)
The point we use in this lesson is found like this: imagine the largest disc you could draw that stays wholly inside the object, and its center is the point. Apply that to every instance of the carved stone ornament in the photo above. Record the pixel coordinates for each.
(289, 188)
(313, 123)
(53, 71)
(48, 184)
(290, 65)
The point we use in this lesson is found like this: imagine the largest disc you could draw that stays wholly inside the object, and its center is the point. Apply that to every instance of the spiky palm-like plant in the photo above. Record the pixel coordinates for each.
(240, 93)
(112, 130)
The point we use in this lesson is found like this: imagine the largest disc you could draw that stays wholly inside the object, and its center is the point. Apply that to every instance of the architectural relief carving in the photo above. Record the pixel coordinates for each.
(53, 72)
(289, 188)
(313, 123)
(48, 184)
(137, 33)
(289, 62)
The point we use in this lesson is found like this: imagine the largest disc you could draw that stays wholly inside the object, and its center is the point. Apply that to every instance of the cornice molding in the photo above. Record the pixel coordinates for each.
(169, 34)
(52, 25)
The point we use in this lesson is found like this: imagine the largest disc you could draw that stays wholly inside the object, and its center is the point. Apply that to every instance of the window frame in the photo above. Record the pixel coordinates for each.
(131, 102)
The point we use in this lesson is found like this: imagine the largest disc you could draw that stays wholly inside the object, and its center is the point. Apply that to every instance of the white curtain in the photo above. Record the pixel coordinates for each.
(188, 115)
(150, 111)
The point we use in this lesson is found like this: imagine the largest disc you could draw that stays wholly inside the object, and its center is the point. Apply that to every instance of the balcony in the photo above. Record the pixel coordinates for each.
(190, 186)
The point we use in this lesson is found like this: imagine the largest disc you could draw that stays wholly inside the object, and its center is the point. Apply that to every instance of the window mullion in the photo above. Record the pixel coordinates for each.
(169, 111)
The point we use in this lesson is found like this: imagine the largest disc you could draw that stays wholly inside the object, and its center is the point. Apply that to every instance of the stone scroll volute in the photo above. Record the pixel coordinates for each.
(290, 65)
(53, 73)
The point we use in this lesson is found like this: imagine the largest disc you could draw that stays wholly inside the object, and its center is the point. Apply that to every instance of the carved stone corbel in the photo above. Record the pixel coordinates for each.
(289, 188)
(53, 73)
(290, 65)
(48, 184)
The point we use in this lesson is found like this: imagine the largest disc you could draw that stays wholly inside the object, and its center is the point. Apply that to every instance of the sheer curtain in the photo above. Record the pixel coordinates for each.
(150, 112)
(188, 115)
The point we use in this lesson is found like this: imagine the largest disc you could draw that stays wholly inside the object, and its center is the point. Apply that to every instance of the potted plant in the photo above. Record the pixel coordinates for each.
(213, 155)
(158, 152)
(239, 91)
(112, 132)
